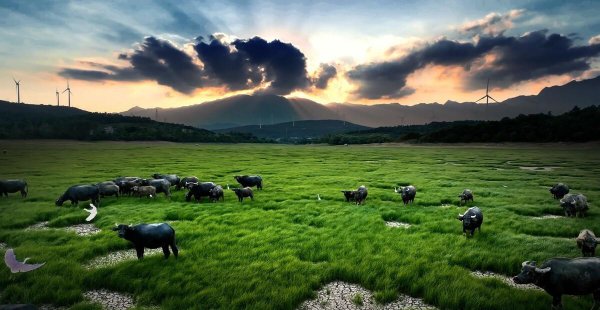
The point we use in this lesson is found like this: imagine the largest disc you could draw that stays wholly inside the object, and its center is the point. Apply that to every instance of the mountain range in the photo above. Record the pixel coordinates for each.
(294, 131)
(243, 110)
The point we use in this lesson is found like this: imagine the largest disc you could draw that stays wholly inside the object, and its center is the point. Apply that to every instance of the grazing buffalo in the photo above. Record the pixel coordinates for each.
(151, 236)
(407, 193)
(349, 195)
(172, 178)
(574, 205)
(144, 191)
(472, 219)
(587, 242)
(13, 186)
(564, 276)
(559, 190)
(78, 193)
(360, 195)
(241, 193)
(216, 193)
(161, 185)
(126, 184)
(465, 196)
(108, 188)
(199, 190)
(186, 180)
(249, 180)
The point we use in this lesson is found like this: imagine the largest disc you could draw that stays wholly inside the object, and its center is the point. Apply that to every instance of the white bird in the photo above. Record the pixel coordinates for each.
(228, 186)
(318, 197)
(92, 213)
(15, 266)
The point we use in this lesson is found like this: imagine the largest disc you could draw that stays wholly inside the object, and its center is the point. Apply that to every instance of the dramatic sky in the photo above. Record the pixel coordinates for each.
(119, 54)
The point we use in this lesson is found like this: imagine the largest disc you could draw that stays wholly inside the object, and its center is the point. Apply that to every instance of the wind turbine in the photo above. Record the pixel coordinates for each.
(487, 96)
(68, 90)
(57, 98)
(18, 84)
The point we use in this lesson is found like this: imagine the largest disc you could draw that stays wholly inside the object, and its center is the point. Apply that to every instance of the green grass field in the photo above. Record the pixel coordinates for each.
(276, 251)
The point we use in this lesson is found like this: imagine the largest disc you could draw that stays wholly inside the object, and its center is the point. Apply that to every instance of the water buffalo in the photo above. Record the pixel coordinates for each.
(361, 194)
(161, 185)
(150, 236)
(559, 190)
(125, 184)
(472, 219)
(349, 195)
(465, 196)
(407, 193)
(144, 191)
(587, 242)
(249, 180)
(108, 188)
(78, 193)
(186, 180)
(564, 276)
(243, 192)
(13, 186)
(574, 205)
(199, 190)
(216, 193)
(172, 178)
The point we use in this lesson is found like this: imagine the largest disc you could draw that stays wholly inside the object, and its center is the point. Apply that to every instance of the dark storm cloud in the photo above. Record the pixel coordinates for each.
(517, 59)
(323, 75)
(242, 64)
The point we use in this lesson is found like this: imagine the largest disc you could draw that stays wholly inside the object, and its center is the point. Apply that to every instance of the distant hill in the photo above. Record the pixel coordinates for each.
(577, 125)
(246, 110)
(28, 121)
(294, 131)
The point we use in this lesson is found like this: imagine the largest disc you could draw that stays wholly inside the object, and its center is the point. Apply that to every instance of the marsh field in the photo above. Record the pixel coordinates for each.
(277, 251)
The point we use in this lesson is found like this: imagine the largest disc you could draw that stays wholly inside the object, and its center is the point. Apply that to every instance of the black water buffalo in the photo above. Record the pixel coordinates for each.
(249, 180)
(199, 190)
(559, 190)
(186, 180)
(564, 276)
(587, 242)
(574, 205)
(78, 193)
(161, 185)
(472, 219)
(465, 196)
(108, 188)
(172, 178)
(144, 191)
(125, 184)
(360, 194)
(407, 193)
(13, 186)
(241, 193)
(150, 236)
(216, 193)
(349, 195)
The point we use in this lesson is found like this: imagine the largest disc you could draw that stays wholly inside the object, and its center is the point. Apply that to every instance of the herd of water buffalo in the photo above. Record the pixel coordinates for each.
(557, 276)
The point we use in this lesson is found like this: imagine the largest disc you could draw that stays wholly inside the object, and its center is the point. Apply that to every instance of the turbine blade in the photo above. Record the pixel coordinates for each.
(481, 98)
(65, 90)
(487, 88)
(493, 99)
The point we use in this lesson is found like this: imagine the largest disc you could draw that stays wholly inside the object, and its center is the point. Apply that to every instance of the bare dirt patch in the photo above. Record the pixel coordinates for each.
(536, 168)
(3, 245)
(110, 300)
(347, 296)
(397, 225)
(507, 280)
(38, 226)
(115, 258)
(546, 217)
(84, 229)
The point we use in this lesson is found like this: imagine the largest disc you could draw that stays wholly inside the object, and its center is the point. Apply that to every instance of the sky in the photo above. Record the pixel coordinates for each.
(150, 53)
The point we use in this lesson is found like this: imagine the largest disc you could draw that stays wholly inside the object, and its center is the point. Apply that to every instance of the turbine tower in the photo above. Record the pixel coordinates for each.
(68, 90)
(18, 84)
(487, 96)
(57, 98)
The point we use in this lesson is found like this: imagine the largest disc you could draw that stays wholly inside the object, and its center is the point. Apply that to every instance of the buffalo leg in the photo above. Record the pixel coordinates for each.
(23, 193)
(175, 249)
(472, 232)
(166, 251)
(140, 252)
(556, 302)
